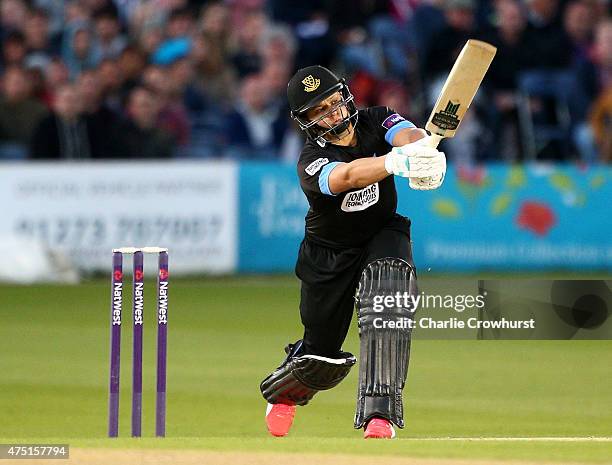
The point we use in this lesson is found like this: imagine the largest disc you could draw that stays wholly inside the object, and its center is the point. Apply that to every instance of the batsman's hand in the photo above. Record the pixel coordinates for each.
(422, 164)
(428, 183)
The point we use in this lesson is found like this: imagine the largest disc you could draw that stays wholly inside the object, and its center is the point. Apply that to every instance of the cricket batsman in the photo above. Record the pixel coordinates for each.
(356, 251)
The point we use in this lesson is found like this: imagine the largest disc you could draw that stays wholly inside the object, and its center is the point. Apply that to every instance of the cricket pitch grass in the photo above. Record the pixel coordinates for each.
(466, 401)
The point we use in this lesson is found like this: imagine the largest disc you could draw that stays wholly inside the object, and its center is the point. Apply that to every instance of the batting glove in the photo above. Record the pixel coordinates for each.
(415, 161)
(428, 183)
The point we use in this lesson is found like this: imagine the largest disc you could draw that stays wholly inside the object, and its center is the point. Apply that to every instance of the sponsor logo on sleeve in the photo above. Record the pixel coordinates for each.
(316, 165)
(360, 200)
(392, 120)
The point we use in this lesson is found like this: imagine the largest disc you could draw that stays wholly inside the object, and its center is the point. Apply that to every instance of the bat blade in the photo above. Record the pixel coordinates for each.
(460, 88)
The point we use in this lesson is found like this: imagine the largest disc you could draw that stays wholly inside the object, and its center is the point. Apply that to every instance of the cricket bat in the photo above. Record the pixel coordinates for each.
(459, 90)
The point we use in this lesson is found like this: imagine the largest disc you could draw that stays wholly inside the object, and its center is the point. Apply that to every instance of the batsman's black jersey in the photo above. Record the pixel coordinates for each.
(350, 218)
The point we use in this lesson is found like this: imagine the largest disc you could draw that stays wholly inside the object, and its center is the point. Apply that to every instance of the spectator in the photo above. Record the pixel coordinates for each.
(95, 6)
(145, 14)
(62, 134)
(76, 12)
(55, 10)
(112, 82)
(601, 124)
(12, 15)
(141, 136)
(445, 45)
(102, 122)
(508, 35)
(594, 75)
(427, 20)
(180, 23)
(214, 23)
(150, 37)
(39, 42)
(364, 87)
(579, 22)
(78, 50)
(276, 74)
(593, 80)
(36, 77)
(316, 43)
(549, 46)
(19, 113)
(56, 75)
(247, 58)
(392, 94)
(510, 39)
(110, 41)
(293, 11)
(14, 49)
(603, 8)
(468, 146)
(172, 114)
(359, 53)
(181, 75)
(278, 46)
(126, 9)
(254, 128)
(132, 63)
(278, 55)
(395, 33)
(215, 79)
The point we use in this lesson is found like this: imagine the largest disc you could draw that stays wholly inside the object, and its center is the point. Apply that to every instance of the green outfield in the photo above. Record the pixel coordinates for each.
(226, 334)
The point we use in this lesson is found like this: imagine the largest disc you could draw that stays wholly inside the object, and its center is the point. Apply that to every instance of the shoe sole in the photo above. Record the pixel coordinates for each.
(272, 426)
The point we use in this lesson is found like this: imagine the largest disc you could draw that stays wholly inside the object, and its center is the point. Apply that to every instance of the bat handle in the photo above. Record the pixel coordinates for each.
(433, 140)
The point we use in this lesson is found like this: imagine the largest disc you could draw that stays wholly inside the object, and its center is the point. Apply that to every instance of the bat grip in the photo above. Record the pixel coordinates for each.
(433, 140)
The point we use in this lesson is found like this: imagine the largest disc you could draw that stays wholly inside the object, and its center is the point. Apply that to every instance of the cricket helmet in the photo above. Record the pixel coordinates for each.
(306, 89)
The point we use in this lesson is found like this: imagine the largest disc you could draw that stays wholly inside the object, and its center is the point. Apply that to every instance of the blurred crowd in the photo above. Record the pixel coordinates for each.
(99, 79)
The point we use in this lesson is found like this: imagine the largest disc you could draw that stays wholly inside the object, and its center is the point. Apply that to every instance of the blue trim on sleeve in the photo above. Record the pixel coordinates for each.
(324, 177)
(401, 125)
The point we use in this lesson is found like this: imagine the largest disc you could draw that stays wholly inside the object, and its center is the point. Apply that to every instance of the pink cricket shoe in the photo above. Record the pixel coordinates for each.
(379, 428)
(279, 418)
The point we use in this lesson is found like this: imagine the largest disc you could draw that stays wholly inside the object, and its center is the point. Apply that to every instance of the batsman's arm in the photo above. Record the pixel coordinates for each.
(365, 171)
(407, 136)
(358, 173)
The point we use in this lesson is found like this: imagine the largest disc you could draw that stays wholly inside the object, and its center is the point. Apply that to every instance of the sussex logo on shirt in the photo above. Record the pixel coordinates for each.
(316, 165)
(360, 200)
